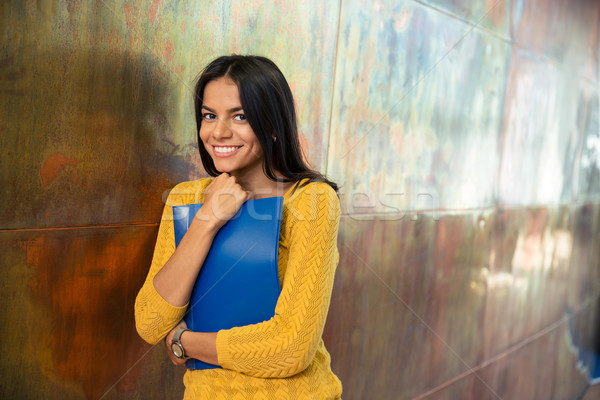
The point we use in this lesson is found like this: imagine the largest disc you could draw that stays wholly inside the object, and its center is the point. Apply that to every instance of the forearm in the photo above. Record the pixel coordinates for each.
(175, 281)
(201, 346)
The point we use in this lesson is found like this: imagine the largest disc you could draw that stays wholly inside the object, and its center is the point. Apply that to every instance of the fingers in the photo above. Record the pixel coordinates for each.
(223, 197)
(169, 340)
(174, 360)
(224, 183)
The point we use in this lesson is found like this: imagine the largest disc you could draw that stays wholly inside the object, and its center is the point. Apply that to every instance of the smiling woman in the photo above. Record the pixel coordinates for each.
(226, 133)
(248, 141)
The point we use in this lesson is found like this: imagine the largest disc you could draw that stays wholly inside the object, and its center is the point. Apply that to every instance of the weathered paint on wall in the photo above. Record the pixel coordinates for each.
(459, 307)
(490, 15)
(72, 291)
(97, 98)
(418, 92)
(97, 123)
(540, 133)
(465, 135)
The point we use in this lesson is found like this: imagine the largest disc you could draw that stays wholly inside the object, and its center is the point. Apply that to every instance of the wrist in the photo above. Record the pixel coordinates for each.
(208, 220)
(186, 343)
(177, 346)
(201, 346)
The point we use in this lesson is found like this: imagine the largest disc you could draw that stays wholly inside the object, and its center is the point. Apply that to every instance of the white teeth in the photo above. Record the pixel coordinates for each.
(225, 149)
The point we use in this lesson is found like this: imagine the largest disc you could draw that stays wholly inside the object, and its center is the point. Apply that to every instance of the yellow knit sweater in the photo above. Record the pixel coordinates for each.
(284, 357)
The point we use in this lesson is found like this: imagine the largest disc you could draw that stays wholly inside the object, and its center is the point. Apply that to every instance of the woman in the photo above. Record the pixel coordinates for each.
(248, 141)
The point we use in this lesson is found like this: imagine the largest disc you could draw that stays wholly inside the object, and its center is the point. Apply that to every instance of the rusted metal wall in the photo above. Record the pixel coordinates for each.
(465, 136)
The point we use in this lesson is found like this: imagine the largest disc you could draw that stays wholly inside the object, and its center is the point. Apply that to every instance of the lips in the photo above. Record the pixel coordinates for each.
(225, 151)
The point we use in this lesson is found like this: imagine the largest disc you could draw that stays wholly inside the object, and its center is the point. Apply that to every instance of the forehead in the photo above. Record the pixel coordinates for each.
(222, 92)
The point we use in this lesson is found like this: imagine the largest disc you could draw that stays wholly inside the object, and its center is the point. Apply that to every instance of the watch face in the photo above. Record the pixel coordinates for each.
(177, 350)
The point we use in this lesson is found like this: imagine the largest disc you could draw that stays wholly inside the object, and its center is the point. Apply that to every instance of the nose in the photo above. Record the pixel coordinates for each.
(221, 130)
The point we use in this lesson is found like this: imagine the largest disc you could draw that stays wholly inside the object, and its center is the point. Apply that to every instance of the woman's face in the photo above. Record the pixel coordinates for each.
(226, 133)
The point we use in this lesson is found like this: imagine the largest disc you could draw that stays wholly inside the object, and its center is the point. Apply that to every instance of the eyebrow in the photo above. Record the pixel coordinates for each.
(231, 110)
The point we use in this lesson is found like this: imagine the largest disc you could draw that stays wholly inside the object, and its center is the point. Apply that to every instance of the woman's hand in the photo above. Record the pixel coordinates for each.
(199, 345)
(169, 340)
(222, 200)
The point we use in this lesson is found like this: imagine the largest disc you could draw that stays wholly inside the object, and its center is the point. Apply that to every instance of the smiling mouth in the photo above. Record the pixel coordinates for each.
(225, 150)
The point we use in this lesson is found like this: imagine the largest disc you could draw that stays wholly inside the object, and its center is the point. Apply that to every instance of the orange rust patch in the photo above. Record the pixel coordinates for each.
(53, 165)
(168, 51)
(87, 282)
(153, 10)
(129, 17)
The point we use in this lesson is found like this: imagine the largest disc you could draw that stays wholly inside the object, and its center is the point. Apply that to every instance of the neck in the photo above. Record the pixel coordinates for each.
(261, 186)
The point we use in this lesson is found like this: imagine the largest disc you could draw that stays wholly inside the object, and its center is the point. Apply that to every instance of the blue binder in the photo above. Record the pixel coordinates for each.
(239, 281)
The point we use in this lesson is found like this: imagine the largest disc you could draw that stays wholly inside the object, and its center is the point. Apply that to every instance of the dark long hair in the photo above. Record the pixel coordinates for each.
(269, 108)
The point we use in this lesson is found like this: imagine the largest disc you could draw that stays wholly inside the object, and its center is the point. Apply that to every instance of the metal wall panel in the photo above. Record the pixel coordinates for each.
(96, 124)
(543, 368)
(67, 317)
(463, 100)
(419, 305)
(584, 281)
(540, 133)
(416, 91)
(492, 15)
(84, 120)
(464, 134)
(408, 307)
(565, 31)
(525, 283)
(588, 175)
(96, 106)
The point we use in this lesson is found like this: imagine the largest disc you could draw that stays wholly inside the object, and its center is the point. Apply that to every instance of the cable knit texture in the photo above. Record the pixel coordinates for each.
(284, 357)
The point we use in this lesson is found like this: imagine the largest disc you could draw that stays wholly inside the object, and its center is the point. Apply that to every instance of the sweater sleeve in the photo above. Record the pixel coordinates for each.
(286, 344)
(154, 316)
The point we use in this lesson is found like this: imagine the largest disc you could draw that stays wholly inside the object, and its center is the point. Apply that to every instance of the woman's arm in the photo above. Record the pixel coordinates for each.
(286, 344)
(175, 280)
(162, 301)
(198, 345)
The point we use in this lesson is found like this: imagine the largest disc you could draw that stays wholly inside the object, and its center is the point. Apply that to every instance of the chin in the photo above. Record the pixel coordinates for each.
(223, 169)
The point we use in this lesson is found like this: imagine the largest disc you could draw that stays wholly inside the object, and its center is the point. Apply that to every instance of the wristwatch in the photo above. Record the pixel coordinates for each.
(176, 346)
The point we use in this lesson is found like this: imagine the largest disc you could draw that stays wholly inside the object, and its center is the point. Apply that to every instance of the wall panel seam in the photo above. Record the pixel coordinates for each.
(511, 42)
(511, 349)
(74, 227)
(335, 58)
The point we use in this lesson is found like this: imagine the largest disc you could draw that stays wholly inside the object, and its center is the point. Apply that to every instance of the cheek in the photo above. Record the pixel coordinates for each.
(256, 147)
(252, 140)
(259, 151)
(203, 136)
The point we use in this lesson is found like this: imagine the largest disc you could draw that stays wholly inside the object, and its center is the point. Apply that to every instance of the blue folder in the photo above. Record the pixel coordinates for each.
(239, 281)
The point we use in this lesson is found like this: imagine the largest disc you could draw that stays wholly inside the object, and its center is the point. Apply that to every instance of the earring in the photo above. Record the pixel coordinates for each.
(274, 138)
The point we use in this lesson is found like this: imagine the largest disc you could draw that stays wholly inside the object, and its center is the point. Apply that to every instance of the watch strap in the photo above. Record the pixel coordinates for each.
(177, 334)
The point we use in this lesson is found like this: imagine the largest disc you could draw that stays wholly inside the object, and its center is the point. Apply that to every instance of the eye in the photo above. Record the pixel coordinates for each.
(239, 117)
(208, 116)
